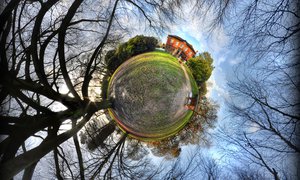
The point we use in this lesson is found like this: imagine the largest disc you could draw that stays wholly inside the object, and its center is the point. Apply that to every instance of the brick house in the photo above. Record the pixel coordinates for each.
(179, 47)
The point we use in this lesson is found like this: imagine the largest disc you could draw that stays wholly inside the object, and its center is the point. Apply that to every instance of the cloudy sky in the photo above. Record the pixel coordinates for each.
(196, 31)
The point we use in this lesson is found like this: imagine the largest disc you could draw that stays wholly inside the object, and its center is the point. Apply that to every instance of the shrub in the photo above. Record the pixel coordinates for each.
(137, 45)
(201, 67)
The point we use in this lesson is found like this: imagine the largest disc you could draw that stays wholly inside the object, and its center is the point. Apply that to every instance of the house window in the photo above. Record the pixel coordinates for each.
(190, 53)
(186, 49)
(172, 40)
(177, 43)
(181, 46)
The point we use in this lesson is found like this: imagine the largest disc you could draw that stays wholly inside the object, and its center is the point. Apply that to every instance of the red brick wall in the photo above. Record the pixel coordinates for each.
(181, 45)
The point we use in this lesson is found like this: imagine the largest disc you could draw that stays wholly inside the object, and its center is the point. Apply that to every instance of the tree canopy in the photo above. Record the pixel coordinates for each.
(134, 46)
(201, 67)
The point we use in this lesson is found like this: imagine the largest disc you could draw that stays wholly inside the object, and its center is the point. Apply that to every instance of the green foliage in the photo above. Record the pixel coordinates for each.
(109, 55)
(137, 45)
(201, 67)
(202, 87)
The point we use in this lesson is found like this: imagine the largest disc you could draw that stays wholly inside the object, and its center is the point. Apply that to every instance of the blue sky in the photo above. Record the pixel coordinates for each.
(217, 43)
(195, 31)
(222, 55)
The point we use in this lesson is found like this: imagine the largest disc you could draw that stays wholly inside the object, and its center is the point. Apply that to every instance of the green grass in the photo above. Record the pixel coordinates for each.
(171, 132)
(167, 55)
(167, 76)
(193, 82)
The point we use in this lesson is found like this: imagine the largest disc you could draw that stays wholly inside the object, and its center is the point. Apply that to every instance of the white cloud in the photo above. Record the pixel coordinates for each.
(253, 128)
(195, 31)
(235, 61)
(216, 87)
(218, 61)
(219, 40)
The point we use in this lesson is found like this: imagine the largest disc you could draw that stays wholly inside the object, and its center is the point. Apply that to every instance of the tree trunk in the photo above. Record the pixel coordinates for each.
(79, 154)
(28, 172)
(16, 165)
(57, 170)
(101, 136)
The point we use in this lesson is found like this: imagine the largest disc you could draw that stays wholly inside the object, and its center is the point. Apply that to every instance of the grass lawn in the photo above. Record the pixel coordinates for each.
(149, 92)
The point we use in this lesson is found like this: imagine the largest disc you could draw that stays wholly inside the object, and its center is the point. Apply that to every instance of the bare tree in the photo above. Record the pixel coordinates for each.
(261, 28)
(31, 80)
(51, 52)
(195, 165)
(247, 174)
(94, 136)
(119, 158)
(264, 96)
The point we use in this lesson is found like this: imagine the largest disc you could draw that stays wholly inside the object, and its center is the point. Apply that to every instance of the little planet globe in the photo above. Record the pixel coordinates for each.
(151, 95)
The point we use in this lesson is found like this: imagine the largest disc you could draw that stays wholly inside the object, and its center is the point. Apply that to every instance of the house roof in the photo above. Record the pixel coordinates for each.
(183, 40)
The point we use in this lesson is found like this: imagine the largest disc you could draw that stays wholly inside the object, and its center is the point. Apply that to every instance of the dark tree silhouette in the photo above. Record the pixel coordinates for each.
(247, 174)
(51, 53)
(194, 166)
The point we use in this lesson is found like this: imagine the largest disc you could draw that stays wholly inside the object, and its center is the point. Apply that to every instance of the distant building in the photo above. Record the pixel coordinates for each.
(179, 47)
